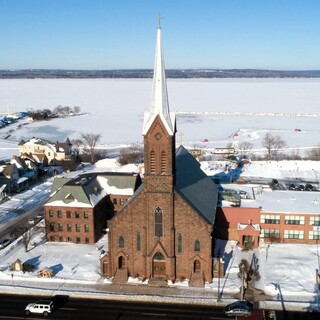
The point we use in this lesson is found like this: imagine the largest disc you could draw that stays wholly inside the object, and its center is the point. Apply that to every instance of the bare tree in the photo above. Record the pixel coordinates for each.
(268, 142)
(76, 109)
(314, 154)
(90, 141)
(133, 154)
(245, 148)
(77, 145)
(273, 144)
(278, 144)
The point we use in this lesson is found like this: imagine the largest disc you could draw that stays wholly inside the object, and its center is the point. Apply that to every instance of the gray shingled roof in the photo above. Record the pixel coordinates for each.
(195, 186)
(81, 187)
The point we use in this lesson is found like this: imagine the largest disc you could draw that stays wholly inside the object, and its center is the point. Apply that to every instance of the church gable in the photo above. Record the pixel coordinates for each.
(158, 150)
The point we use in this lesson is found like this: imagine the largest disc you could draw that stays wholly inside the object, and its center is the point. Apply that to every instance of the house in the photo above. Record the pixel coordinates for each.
(165, 231)
(268, 216)
(9, 176)
(78, 208)
(46, 152)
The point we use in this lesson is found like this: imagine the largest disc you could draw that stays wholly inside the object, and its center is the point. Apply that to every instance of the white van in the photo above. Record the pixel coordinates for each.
(44, 307)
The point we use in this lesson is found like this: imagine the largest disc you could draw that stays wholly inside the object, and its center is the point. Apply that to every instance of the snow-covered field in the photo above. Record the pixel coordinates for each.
(212, 109)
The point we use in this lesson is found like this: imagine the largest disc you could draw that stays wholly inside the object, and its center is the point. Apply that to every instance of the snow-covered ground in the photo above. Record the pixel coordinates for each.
(206, 109)
(221, 111)
(288, 271)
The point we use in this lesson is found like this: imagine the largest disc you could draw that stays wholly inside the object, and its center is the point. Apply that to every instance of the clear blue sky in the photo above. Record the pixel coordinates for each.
(118, 34)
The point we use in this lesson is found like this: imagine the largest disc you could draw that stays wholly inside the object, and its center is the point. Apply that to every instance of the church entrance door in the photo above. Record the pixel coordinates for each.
(159, 265)
(121, 262)
(197, 266)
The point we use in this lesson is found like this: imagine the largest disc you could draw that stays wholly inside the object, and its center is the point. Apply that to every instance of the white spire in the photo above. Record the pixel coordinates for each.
(159, 100)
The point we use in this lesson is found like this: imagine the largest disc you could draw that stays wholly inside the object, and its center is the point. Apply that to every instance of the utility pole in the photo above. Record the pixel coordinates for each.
(219, 297)
(242, 283)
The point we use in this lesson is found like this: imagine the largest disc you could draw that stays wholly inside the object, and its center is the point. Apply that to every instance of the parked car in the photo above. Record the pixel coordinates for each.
(4, 243)
(44, 307)
(300, 187)
(241, 308)
(292, 186)
(308, 187)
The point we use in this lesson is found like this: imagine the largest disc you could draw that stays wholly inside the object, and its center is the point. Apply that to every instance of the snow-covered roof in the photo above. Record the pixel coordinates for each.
(285, 201)
(88, 189)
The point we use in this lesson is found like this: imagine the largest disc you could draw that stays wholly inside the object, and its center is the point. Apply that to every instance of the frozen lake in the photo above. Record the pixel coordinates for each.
(212, 109)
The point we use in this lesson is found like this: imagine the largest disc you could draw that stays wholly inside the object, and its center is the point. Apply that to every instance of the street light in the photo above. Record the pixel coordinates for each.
(219, 274)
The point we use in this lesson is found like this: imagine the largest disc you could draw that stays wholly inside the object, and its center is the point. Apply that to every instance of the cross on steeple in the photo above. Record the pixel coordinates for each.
(181, 135)
(159, 20)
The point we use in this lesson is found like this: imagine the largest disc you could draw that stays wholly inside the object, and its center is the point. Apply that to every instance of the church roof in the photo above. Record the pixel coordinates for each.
(195, 186)
(159, 101)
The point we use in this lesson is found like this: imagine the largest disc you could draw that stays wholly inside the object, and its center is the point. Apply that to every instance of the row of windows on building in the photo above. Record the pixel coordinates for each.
(121, 201)
(121, 243)
(69, 227)
(289, 234)
(297, 220)
(69, 214)
(69, 239)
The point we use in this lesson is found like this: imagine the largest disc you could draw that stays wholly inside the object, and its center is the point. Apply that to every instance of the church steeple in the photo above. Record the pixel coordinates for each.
(159, 101)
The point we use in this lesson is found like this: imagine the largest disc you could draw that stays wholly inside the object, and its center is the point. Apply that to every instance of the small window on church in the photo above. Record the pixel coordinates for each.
(138, 241)
(197, 245)
(121, 242)
(153, 162)
(179, 243)
(158, 224)
(163, 162)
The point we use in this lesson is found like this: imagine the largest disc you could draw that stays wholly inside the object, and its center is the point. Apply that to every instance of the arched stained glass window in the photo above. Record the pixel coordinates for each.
(158, 223)
(179, 243)
(197, 245)
(138, 241)
(121, 242)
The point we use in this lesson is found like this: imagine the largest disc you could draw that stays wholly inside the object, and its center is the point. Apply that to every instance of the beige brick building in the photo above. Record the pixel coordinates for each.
(165, 231)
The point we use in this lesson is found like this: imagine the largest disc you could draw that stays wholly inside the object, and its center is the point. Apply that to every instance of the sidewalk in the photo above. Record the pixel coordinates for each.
(128, 292)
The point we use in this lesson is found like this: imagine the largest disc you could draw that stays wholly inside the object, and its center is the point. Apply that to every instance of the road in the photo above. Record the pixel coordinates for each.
(12, 307)
(21, 221)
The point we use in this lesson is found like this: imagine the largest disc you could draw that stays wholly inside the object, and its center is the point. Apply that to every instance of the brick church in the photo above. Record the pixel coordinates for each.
(165, 231)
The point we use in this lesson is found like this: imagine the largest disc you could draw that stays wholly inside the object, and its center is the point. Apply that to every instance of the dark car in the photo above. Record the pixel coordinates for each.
(241, 308)
(4, 243)
(300, 187)
(292, 186)
(308, 187)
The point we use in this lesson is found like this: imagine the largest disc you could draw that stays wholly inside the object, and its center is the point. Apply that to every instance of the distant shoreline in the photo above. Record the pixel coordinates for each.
(147, 73)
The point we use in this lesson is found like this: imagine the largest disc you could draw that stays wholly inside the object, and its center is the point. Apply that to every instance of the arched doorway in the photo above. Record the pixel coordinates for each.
(196, 266)
(159, 265)
(121, 262)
